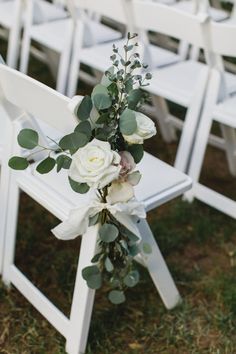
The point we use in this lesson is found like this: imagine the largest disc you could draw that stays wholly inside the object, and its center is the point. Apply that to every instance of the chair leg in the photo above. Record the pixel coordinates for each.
(83, 297)
(229, 136)
(10, 228)
(158, 269)
(162, 113)
(75, 63)
(14, 37)
(203, 132)
(64, 63)
(190, 125)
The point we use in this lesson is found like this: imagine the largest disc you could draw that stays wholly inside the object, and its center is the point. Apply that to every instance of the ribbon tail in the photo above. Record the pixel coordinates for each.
(76, 224)
(129, 222)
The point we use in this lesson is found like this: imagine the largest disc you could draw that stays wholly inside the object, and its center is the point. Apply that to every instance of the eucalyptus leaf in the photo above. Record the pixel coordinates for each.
(134, 250)
(46, 165)
(131, 279)
(18, 163)
(128, 124)
(99, 89)
(63, 161)
(102, 101)
(134, 98)
(116, 297)
(84, 128)
(84, 109)
(136, 151)
(73, 142)
(108, 265)
(108, 233)
(77, 187)
(93, 277)
(28, 139)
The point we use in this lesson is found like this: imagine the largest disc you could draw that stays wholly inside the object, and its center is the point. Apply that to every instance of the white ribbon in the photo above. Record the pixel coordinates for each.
(78, 220)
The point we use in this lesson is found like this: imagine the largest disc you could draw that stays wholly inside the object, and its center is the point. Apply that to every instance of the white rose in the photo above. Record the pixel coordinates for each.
(95, 164)
(145, 130)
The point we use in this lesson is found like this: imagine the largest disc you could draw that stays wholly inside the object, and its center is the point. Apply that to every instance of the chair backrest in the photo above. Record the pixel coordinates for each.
(34, 99)
(114, 9)
(222, 38)
(168, 20)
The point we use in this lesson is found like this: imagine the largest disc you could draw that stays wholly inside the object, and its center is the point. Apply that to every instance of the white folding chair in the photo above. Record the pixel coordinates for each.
(12, 18)
(98, 56)
(219, 107)
(183, 83)
(53, 193)
(57, 36)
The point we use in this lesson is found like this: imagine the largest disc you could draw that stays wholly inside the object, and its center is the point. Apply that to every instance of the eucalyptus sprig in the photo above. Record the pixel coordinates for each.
(109, 115)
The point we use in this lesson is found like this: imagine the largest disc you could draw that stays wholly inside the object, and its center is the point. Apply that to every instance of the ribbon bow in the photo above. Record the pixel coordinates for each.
(78, 220)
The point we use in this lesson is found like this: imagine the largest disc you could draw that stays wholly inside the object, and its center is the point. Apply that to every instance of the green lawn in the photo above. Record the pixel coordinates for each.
(199, 245)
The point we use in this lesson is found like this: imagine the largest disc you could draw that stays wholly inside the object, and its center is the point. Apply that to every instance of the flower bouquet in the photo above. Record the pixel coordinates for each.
(101, 156)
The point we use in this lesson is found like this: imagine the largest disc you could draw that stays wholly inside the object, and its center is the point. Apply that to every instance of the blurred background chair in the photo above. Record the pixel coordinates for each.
(220, 107)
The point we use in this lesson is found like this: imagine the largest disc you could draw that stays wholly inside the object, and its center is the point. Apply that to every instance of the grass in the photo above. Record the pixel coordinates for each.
(199, 245)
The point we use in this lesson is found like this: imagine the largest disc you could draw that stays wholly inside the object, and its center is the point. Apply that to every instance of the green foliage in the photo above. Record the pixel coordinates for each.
(117, 297)
(63, 162)
(84, 128)
(128, 124)
(136, 151)
(93, 277)
(131, 279)
(108, 233)
(102, 101)
(18, 163)
(28, 139)
(46, 165)
(134, 98)
(73, 142)
(84, 109)
(77, 187)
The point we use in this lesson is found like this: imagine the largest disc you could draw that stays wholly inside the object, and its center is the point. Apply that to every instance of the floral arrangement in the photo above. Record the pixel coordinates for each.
(101, 154)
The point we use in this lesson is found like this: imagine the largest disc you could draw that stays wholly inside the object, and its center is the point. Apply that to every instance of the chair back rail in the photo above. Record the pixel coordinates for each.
(36, 99)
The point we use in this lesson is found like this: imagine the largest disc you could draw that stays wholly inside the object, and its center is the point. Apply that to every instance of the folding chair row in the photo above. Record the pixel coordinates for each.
(53, 193)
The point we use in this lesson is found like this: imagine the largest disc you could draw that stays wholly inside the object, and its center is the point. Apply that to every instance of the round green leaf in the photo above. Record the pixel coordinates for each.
(63, 161)
(46, 165)
(78, 187)
(28, 138)
(18, 163)
(116, 297)
(102, 101)
(84, 128)
(99, 89)
(93, 277)
(131, 279)
(128, 124)
(73, 142)
(108, 232)
(84, 109)
(147, 248)
(136, 151)
(108, 265)
(134, 98)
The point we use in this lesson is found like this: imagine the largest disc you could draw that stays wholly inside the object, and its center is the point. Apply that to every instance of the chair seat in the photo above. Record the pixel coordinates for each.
(188, 6)
(159, 183)
(44, 12)
(178, 82)
(98, 56)
(225, 112)
(52, 34)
